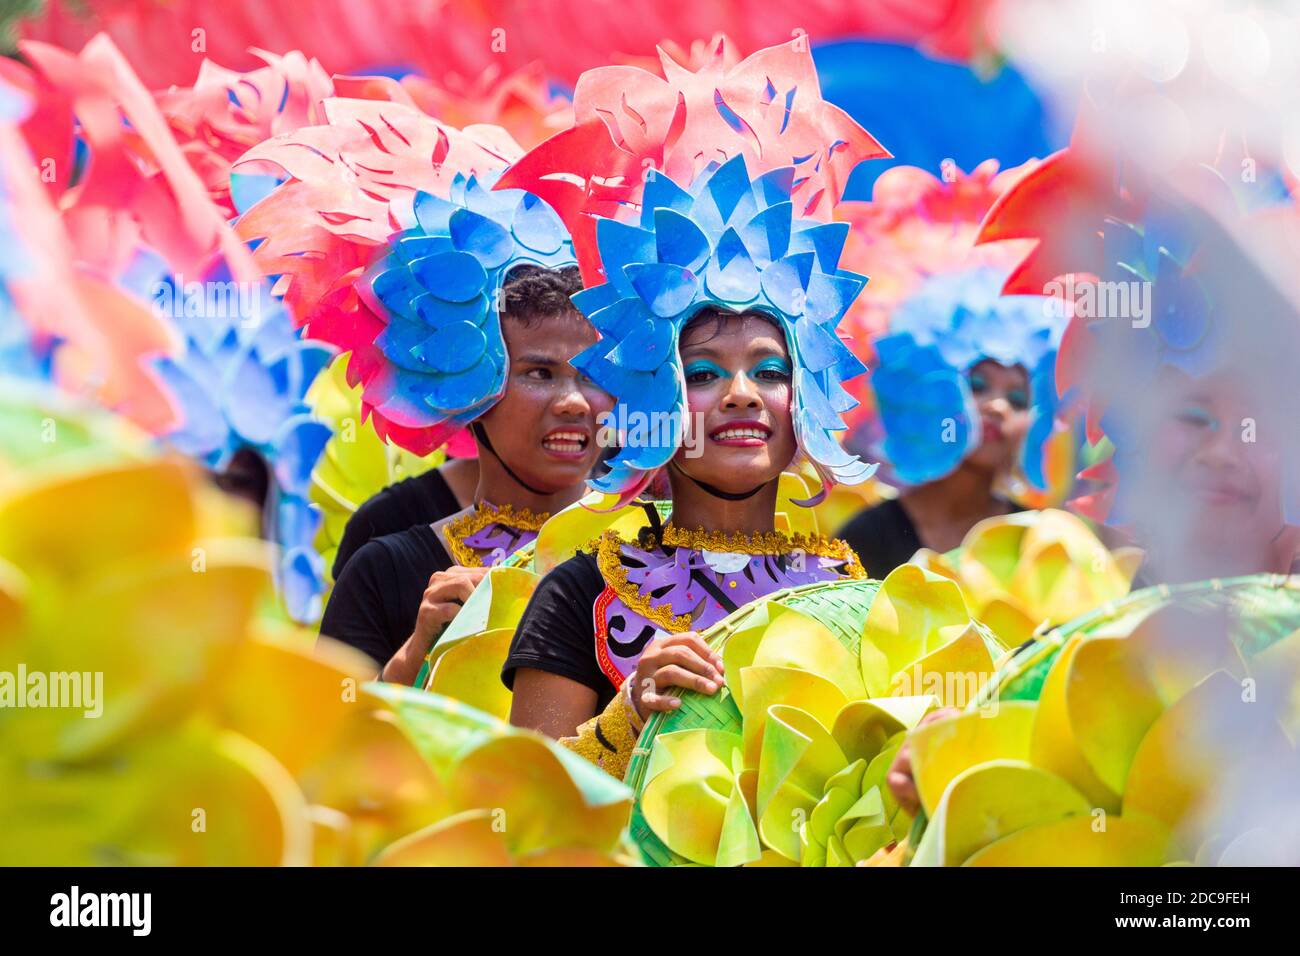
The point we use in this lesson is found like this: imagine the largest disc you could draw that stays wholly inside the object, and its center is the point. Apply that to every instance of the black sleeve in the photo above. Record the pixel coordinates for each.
(359, 529)
(557, 633)
(359, 608)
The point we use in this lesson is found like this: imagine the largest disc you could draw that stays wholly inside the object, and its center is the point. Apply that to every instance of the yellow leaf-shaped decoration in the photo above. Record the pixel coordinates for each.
(1111, 704)
(469, 670)
(991, 800)
(943, 749)
(63, 526)
(13, 600)
(375, 777)
(907, 616)
(466, 661)
(954, 672)
(1053, 746)
(1117, 687)
(1208, 743)
(863, 727)
(471, 838)
(990, 552)
(741, 645)
(251, 811)
(111, 628)
(798, 756)
(688, 799)
(1008, 619)
(1022, 570)
(1080, 841)
(790, 517)
(278, 690)
(796, 640)
(936, 563)
(766, 687)
(520, 775)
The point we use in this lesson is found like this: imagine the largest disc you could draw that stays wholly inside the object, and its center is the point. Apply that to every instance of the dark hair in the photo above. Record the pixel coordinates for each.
(534, 292)
(718, 317)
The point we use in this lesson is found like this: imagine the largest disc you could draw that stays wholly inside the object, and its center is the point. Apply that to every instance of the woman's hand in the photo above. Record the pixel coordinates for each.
(443, 598)
(673, 660)
(899, 778)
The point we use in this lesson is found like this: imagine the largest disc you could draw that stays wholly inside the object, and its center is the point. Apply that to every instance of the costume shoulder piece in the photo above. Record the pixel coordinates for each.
(485, 535)
(682, 580)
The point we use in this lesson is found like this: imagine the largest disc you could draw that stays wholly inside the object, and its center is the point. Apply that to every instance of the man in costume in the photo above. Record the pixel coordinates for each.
(533, 418)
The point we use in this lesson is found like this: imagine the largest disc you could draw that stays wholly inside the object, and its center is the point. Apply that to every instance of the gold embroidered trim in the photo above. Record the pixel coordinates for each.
(475, 521)
(609, 559)
(608, 739)
(766, 542)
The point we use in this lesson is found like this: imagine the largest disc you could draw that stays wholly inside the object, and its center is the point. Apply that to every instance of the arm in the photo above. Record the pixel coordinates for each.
(565, 709)
(443, 598)
(551, 704)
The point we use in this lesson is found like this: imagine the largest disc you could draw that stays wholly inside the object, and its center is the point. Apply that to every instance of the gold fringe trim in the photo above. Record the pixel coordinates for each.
(475, 521)
(608, 739)
(609, 559)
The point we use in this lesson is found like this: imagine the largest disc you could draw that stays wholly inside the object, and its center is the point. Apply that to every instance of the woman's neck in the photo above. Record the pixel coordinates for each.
(693, 507)
(944, 511)
(966, 493)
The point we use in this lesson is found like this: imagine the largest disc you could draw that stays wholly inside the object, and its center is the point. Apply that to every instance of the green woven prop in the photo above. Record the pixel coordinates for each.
(1264, 608)
(841, 605)
(1158, 714)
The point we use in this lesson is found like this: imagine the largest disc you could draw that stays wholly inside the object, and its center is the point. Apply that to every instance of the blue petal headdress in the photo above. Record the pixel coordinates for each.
(952, 322)
(735, 244)
(241, 384)
(438, 291)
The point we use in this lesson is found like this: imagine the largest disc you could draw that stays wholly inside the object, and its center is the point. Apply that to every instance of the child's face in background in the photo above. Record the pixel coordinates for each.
(1212, 483)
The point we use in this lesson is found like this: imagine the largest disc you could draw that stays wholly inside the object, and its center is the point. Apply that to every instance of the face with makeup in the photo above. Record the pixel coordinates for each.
(1213, 481)
(1002, 397)
(544, 426)
(739, 388)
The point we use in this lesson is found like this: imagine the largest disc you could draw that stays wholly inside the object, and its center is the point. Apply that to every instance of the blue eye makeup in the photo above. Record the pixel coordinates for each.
(771, 369)
(702, 371)
(978, 383)
(1018, 398)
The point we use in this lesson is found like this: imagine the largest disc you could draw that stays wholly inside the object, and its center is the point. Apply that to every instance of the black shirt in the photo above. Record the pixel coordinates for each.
(422, 499)
(557, 632)
(884, 537)
(377, 597)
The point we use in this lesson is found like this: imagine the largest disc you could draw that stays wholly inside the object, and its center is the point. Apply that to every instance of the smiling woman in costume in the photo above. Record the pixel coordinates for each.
(719, 316)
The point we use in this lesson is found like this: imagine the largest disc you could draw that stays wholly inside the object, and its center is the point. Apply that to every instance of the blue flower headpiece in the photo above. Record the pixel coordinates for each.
(241, 384)
(951, 323)
(438, 290)
(735, 244)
